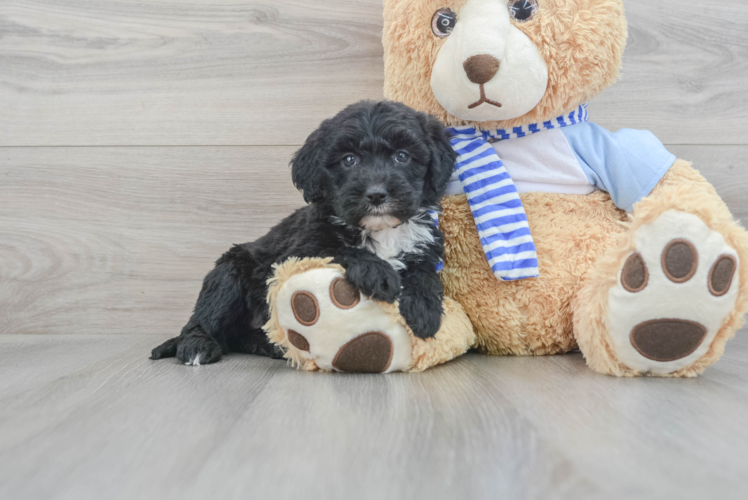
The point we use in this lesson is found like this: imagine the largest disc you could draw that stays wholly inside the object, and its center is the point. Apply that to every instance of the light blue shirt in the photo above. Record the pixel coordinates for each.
(628, 164)
(582, 158)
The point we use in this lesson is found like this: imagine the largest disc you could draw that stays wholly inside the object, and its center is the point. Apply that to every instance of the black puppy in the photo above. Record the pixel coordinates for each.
(370, 176)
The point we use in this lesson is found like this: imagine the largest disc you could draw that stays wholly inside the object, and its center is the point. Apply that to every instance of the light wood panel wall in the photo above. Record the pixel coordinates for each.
(139, 140)
(229, 72)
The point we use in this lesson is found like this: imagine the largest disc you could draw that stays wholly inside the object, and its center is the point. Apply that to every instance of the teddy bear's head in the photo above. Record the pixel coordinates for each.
(500, 63)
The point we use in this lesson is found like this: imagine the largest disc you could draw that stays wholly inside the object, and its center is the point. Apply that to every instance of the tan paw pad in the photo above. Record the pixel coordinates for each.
(675, 290)
(721, 275)
(368, 353)
(667, 339)
(680, 259)
(635, 276)
(305, 308)
(298, 340)
(343, 294)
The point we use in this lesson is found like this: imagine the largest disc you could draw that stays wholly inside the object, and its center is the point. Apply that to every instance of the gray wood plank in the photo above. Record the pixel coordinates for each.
(684, 72)
(725, 168)
(118, 426)
(172, 72)
(177, 72)
(117, 240)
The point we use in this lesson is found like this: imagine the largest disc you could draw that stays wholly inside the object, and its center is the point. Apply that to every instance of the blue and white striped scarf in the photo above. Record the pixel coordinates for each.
(493, 197)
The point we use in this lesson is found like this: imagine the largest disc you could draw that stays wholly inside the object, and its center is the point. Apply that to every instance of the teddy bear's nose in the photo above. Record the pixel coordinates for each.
(480, 69)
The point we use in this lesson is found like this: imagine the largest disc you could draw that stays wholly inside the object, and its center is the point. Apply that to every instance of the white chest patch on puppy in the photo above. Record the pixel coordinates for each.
(390, 241)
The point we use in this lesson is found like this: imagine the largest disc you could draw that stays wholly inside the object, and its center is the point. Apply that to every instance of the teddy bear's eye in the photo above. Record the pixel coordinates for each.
(443, 22)
(522, 10)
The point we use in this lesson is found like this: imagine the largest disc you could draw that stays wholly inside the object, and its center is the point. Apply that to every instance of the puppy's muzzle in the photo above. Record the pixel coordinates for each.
(377, 195)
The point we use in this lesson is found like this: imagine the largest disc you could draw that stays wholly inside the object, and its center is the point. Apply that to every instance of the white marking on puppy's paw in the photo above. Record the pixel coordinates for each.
(194, 362)
(673, 294)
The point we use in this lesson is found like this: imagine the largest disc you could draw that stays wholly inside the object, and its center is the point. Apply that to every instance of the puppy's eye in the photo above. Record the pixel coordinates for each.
(350, 160)
(443, 22)
(522, 11)
(402, 157)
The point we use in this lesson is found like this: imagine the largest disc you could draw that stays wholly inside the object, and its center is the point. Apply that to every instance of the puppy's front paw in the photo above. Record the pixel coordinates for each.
(422, 313)
(376, 280)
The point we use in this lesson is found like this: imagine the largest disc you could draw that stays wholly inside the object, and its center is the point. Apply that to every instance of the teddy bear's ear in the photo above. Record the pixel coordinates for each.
(443, 157)
(308, 171)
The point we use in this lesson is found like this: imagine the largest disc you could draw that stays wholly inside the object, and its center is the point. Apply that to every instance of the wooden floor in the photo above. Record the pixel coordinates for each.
(88, 416)
(138, 140)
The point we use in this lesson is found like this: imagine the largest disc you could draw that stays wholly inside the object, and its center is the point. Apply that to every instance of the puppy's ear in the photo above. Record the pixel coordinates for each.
(308, 171)
(443, 159)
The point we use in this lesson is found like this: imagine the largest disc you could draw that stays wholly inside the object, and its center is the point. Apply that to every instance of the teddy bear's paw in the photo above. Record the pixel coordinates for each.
(674, 292)
(328, 321)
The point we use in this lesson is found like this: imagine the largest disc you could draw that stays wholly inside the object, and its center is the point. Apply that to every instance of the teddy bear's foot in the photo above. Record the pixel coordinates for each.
(321, 322)
(333, 326)
(674, 292)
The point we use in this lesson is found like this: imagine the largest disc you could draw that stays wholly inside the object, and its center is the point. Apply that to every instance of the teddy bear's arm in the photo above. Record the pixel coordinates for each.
(627, 164)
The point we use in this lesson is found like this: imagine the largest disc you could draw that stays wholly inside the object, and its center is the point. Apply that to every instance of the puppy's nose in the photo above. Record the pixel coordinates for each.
(480, 69)
(376, 195)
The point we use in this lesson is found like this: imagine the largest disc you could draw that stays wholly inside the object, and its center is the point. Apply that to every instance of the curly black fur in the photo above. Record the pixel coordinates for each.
(374, 159)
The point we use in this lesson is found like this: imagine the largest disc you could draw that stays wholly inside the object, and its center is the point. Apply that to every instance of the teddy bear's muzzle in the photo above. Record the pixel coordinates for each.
(482, 68)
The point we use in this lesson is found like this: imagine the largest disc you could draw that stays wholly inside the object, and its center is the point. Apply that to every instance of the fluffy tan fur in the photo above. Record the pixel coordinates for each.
(528, 317)
(453, 339)
(273, 329)
(582, 241)
(683, 188)
(582, 42)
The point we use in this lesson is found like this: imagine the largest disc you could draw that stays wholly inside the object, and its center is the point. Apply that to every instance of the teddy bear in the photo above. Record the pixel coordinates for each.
(559, 235)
